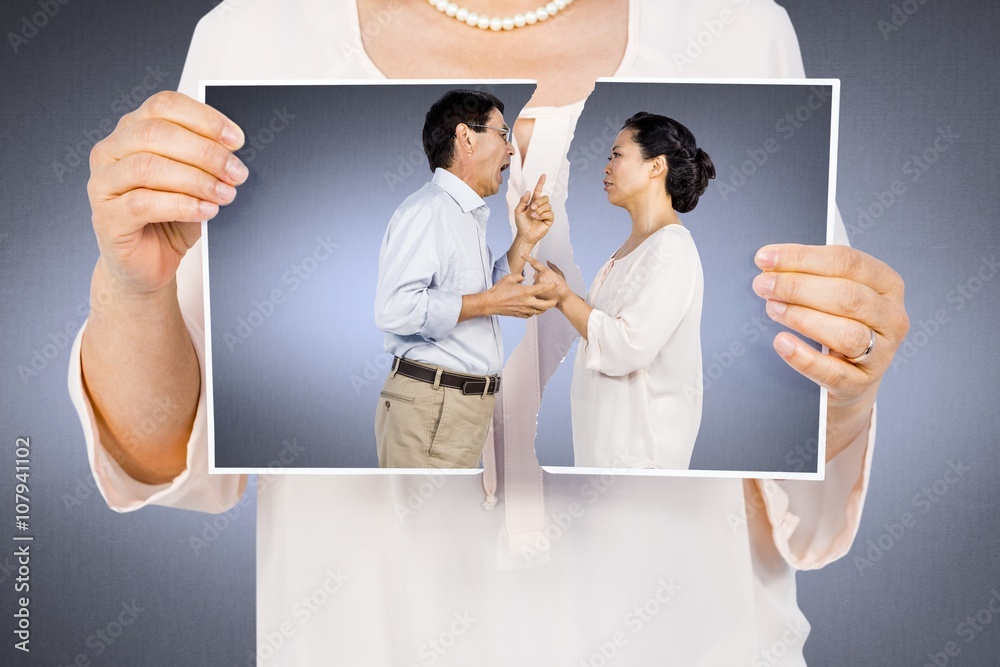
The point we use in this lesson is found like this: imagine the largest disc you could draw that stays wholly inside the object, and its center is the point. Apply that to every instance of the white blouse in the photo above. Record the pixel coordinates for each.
(636, 393)
(410, 568)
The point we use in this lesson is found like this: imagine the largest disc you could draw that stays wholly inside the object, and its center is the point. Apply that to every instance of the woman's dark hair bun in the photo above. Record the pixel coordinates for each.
(689, 168)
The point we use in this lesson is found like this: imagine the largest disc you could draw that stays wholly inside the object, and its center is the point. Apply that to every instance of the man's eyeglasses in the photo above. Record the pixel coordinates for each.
(504, 131)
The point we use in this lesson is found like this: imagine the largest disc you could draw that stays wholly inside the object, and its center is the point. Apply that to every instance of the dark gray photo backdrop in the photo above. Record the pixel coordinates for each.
(753, 404)
(917, 182)
(296, 356)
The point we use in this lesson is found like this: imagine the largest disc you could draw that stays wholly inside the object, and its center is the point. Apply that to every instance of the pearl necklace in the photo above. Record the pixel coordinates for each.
(496, 23)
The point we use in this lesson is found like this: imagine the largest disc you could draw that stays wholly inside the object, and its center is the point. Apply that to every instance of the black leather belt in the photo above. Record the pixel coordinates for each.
(469, 384)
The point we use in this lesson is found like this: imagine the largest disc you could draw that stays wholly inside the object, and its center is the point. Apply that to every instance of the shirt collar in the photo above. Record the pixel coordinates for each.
(459, 190)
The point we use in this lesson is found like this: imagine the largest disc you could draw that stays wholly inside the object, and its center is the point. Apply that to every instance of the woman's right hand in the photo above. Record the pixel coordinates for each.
(167, 166)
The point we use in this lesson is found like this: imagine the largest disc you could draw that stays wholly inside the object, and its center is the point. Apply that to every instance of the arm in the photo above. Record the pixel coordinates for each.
(507, 297)
(573, 307)
(166, 166)
(533, 217)
(647, 315)
(814, 522)
(412, 259)
(141, 375)
(412, 263)
(193, 488)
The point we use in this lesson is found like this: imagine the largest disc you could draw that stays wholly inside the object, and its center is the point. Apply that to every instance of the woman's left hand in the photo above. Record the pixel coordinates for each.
(841, 298)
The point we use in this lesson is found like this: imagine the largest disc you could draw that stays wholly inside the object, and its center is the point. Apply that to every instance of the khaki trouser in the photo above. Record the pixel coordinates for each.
(418, 426)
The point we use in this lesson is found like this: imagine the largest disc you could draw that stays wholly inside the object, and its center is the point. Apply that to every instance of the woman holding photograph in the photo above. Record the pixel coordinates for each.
(735, 544)
(636, 396)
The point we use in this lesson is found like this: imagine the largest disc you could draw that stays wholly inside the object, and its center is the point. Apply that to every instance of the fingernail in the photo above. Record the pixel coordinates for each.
(763, 284)
(784, 345)
(766, 258)
(208, 209)
(225, 192)
(776, 308)
(236, 169)
(232, 136)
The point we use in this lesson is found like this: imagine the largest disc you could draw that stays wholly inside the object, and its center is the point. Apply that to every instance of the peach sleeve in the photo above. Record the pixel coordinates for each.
(814, 522)
(193, 489)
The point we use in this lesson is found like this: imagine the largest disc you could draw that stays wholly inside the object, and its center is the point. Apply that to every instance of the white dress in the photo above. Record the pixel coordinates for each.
(636, 394)
(568, 568)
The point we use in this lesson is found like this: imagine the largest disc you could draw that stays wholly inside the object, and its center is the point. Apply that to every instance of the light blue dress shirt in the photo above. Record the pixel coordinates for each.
(433, 252)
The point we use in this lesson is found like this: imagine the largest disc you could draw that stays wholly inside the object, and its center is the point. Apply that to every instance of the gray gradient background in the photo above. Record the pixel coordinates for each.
(938, 70)
(307, 367)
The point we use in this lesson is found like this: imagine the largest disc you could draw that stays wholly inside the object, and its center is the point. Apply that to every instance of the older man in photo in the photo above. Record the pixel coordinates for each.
(440, 292)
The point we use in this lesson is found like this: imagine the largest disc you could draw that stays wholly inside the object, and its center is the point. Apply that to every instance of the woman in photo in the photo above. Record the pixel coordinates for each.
(636, 393)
